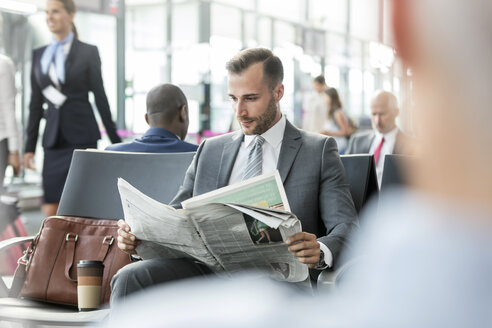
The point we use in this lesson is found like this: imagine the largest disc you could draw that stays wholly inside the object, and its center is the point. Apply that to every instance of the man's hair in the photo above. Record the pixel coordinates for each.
(389, 99)
(164, 102)
(320, 79)
(273, 71)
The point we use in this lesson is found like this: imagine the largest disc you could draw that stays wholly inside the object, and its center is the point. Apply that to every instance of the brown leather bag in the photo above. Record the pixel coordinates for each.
(49, 265)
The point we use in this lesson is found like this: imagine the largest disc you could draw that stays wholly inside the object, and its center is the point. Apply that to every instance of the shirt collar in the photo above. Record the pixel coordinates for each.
(67, 39)
(273, 136)
(387, 135)
(160, 132)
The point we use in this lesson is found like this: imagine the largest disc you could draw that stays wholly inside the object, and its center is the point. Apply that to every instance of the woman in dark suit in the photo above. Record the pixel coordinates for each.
(62, 75)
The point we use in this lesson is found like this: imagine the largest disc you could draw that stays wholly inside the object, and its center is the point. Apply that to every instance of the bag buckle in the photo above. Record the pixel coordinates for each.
(26, 256)
(108, 240)
(74, 235)
(23, 259)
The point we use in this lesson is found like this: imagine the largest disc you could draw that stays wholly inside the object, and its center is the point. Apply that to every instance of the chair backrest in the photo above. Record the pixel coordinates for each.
(361, 176)
(392, 172)
(91, 186)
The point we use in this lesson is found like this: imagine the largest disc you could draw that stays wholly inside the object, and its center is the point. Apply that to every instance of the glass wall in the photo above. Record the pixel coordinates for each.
(338, 38)
(146, 32)
(188, 42)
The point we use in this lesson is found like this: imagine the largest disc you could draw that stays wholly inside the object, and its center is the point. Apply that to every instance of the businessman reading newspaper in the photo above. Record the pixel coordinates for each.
(308, 164)
(249, 218)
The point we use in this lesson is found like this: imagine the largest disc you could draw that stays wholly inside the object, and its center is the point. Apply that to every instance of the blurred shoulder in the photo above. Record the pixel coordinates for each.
(85, 47)
(188, 147)
(220, 141)
(39, 51)
(363, 134)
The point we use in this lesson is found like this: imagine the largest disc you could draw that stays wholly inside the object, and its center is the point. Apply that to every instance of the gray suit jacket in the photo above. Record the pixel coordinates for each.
(360, 143)
(312, 174)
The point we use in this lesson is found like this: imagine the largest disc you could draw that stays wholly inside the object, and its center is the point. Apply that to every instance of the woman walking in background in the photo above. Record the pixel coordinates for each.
(336, 125)
(62, 75)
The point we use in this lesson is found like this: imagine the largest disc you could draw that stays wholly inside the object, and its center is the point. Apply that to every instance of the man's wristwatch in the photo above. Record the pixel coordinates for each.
(321, 263)
(135, 258)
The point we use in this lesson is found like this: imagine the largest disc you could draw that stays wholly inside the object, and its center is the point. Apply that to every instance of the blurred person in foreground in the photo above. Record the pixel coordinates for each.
(336, 123)
(9, 134)
(315, 112)
(385, 137)
(62, 74)
(167, 116)
(427, 253)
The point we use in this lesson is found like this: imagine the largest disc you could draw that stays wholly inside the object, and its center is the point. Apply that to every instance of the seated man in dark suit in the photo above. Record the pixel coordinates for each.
(167, 116)
(386, 137)
(308, 163)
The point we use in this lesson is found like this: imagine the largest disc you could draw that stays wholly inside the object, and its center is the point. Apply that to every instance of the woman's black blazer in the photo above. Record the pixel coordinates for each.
(75, 119)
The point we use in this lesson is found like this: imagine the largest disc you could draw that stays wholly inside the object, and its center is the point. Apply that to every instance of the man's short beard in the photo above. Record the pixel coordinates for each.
(266, 120)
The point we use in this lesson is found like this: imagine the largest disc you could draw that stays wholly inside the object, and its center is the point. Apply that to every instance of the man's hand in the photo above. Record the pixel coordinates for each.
(29, 161)
(14, 161)
(126, 241)
(305, 247)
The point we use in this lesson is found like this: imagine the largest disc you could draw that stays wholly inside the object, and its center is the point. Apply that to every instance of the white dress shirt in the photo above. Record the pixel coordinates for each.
(271, 151)
(388, 147)
(8, 124)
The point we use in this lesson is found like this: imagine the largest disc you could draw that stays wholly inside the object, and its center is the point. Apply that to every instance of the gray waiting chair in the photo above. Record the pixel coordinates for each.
(91, 191)
(393, 171)
(91, 187)
(360, 173)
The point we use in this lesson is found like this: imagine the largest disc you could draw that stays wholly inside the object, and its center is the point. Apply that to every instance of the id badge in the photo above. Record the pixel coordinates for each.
(54, 96)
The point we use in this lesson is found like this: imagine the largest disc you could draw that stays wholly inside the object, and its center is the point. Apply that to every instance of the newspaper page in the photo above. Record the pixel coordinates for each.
(264, 191)
(247, 232)
(258, 235)
(242, 241)
(164, 231)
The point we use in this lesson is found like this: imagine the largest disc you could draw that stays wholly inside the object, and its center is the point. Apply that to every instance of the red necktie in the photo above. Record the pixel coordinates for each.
(377, 152)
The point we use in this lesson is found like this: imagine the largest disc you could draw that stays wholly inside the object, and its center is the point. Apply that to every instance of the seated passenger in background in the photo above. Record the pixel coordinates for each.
(336, 123)
(167, 116)
(386, 137)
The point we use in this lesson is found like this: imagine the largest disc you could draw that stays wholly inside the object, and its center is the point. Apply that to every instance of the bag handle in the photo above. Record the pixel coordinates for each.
(106, 245)
(70, 241)
(70, 244)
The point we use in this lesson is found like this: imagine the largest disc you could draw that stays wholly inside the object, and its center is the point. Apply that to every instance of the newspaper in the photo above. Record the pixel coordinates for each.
(238, 227)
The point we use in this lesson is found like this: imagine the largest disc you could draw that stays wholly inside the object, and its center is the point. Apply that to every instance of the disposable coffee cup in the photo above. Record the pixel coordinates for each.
(89, 278)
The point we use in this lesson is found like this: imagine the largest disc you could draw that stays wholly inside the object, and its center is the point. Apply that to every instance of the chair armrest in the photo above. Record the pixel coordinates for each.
(329, 280)
(6, 244)
(326, 280)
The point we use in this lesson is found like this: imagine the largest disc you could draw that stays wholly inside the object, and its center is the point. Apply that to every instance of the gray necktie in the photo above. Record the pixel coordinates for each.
(255, 159)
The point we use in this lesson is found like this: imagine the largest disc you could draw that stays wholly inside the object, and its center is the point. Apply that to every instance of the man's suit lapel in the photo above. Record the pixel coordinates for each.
(229, 154)
(366, 143)
(291, 144)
